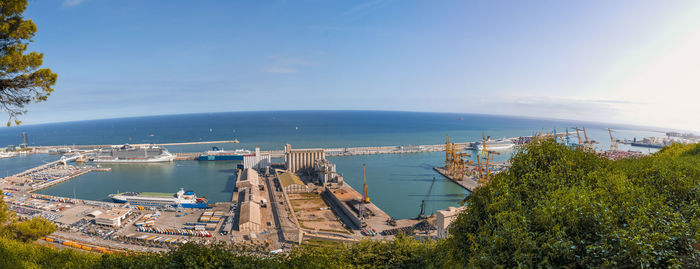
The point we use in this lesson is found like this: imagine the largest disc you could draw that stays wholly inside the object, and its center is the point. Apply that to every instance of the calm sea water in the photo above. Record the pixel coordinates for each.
(397, 182)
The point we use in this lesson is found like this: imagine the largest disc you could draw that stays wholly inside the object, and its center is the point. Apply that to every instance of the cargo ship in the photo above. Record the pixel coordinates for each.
(185, 199)
(651, 142)
(648, 145)
(216, 154)
(500, 144)
(130, 154)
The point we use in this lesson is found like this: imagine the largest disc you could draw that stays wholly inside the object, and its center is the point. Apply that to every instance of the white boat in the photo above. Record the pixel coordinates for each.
(499, 144)
(130, 154)
(186, 199)
(7, 155)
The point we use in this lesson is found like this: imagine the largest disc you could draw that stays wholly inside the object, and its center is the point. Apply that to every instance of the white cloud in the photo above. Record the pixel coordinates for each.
(280, 69)
(285, 65)
(72, 3)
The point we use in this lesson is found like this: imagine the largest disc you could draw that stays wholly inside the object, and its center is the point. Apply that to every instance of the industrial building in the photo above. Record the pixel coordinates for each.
(247, 178)
(325, 173)
(298, 159)
(445, 218)
(249, 195)
(112, 217)
(291, 183)
(248, 183)
(256, 161)
(249, 220)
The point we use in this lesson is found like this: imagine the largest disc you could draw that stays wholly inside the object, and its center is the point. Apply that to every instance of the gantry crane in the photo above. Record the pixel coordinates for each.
(365, 194)
(613, 141)
(421, 215)
(455, 161)
(589, 144)
(578, 135)
(487, 156)
(448, 151)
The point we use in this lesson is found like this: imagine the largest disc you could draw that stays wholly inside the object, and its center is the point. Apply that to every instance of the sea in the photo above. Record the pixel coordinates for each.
(397, 183)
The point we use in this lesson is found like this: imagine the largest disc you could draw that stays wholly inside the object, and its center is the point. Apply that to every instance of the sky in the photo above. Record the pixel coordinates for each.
(633, 62)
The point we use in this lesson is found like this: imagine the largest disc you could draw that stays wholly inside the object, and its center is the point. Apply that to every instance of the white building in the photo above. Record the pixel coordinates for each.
(326, 173)
(112, 217)
(445, 218)
(256, 161)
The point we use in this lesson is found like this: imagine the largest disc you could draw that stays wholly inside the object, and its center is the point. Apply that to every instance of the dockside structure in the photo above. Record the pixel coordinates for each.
(297, 159)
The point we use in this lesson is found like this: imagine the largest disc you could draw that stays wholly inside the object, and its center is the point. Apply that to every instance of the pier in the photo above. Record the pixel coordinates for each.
(467, 182)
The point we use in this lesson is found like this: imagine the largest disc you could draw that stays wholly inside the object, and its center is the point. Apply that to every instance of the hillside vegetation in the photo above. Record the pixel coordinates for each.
(555, 207)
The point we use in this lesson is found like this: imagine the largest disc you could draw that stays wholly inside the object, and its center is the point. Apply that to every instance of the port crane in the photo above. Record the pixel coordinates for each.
(455, 163)
(487, 155)
(422, 214)
(613, 141)
(586, 143)
(365, 195)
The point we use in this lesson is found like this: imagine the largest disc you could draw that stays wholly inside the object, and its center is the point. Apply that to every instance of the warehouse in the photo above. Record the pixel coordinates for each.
(249, 220)
(247, 178)
(291, 183)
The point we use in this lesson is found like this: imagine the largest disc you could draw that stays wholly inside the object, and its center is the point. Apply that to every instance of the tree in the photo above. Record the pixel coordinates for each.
(25, 231)
(557, 207)
(21, 80)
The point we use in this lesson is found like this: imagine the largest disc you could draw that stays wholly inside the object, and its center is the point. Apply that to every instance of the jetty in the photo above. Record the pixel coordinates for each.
(467, 182)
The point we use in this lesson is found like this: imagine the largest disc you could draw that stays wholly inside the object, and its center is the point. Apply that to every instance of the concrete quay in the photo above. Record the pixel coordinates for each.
(469, 183)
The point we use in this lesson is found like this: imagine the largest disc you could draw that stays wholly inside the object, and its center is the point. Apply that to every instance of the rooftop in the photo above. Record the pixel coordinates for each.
(288, 178)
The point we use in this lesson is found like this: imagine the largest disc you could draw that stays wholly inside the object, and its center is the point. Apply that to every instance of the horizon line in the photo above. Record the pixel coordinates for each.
(644, 127)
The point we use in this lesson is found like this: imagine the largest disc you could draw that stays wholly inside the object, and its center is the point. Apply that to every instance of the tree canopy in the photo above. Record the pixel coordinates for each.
(21, 79)
(561, 207)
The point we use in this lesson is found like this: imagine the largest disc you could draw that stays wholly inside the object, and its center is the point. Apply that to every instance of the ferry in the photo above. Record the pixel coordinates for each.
(217, 154)
(130, 154)
(500, 144)
(7, 155)
(185, 199)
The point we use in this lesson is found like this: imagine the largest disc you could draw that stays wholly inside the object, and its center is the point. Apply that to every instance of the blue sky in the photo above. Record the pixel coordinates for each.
(612, 61)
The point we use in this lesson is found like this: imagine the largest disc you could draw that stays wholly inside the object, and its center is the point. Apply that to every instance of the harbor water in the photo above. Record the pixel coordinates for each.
(397, 182)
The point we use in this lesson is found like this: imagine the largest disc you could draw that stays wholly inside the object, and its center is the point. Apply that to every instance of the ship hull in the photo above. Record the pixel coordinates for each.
(647, 145)
(161, 200)
(140, 160)
(220, 158)
(159, 204)
(494, 147)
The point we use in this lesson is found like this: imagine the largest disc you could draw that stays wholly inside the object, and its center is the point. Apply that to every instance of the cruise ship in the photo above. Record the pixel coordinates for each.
(185, 199)
(7, 154)
(130, 154)
(216, 154)
(500, 144)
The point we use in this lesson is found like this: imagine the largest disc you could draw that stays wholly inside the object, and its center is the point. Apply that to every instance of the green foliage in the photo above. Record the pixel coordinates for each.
(29, 230)
(16, 254)
(404, 252)
(564, 208)
(21, 80)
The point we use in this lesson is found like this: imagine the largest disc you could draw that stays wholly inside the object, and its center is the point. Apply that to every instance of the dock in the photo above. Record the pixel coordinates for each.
(467, 182)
